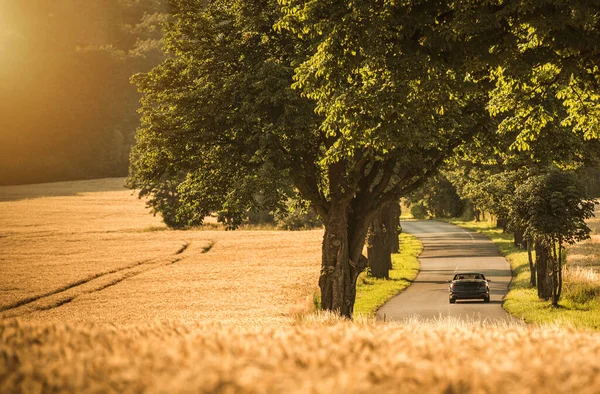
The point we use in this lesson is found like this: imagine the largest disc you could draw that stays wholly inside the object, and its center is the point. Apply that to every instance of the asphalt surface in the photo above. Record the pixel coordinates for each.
(448, 249)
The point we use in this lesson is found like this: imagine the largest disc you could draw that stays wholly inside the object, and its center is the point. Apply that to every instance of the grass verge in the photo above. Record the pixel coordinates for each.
(522, 300)
(372, 293)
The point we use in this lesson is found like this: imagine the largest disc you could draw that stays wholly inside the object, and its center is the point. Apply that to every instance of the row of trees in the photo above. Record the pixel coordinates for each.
(67, 107)
(544, 208)
(541, 194)
(352, 105)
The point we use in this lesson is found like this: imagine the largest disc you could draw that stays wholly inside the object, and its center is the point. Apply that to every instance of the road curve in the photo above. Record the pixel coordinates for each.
(448, 249)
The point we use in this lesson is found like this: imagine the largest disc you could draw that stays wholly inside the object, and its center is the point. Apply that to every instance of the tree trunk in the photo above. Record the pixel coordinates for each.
(342, 262)
(560, 277)
(532, 267)
(501, 223)
(556, 271)
(519, 237)
(379, 250)
(544, 278)
(383, 240)
(395, 212)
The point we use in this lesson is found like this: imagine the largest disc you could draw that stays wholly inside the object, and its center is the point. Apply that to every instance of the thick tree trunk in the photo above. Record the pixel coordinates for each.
(383, 240)
(501, 223)
(342, 262)
(532, 268)
(519, 237)
(379, 251)
(544, 278)
(335, 268)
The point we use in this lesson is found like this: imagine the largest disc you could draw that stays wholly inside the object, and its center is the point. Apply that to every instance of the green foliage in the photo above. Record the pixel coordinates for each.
(297, 216)
(220, 115)
(544, 62)
(437, 198)
(488, 188)
(219, 118)
(385, 76)
(553, 206)
(418, 210)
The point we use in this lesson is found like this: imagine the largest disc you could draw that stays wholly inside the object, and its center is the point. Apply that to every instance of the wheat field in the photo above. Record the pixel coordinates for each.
(89, 251)
(586, 254)
(97, 296)
(320, 355)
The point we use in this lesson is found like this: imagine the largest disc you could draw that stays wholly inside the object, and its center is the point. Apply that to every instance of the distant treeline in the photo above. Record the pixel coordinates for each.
(67, 108)
(448, 195)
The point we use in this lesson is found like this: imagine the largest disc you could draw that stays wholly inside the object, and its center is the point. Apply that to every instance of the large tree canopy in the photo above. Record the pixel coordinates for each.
(552, 209)
(547, 67)
(222, 130)
(353, 104)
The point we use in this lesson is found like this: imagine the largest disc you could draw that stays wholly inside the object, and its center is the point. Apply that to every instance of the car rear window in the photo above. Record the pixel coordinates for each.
(468, 276)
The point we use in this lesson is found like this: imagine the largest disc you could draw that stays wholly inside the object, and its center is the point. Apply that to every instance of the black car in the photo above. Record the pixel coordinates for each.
(469, 286)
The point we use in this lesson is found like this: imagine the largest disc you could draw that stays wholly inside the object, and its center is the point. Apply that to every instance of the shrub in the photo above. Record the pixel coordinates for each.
(418, 210)
(297, 216)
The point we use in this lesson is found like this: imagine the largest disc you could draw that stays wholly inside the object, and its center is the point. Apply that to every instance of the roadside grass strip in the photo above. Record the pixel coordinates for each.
(579, 306)
(372, 293)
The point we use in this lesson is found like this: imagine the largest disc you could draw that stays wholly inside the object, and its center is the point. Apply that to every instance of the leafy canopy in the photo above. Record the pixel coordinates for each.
(222, 129)
(553, 206)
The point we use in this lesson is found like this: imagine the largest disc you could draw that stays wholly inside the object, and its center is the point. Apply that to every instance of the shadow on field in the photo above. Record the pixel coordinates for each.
(61, 189)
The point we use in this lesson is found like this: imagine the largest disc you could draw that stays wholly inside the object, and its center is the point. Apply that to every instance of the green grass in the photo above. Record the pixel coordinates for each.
(522, 300)
(372, 293)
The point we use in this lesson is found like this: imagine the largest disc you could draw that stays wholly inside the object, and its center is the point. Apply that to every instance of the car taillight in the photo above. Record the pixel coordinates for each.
(483, 285)
(452, 285)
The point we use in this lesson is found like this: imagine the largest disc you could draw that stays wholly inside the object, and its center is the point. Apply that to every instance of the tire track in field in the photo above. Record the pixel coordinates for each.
(65, 299)
(29, 300)
(95, 283)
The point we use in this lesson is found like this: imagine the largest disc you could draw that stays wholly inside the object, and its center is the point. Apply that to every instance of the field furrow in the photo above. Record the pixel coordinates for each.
(94, 284)
(89, 251)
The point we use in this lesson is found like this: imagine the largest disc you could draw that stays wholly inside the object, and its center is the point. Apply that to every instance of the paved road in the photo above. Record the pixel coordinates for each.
(448, 249)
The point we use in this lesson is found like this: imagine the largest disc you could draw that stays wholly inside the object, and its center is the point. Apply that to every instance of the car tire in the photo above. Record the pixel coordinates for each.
(486, 299)
(452, 300)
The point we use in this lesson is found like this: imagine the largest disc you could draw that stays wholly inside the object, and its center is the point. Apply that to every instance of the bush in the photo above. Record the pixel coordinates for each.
(418, 211)
(297, 216)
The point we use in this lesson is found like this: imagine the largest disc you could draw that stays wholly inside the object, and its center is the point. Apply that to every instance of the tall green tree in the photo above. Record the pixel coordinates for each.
(222, 130)
(354, 105)
(552, 208)
(396, 98)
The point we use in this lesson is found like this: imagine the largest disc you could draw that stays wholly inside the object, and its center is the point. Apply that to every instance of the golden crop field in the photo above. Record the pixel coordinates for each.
(97, 296)
(89, 251)
(586, 254)
(317, 356)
